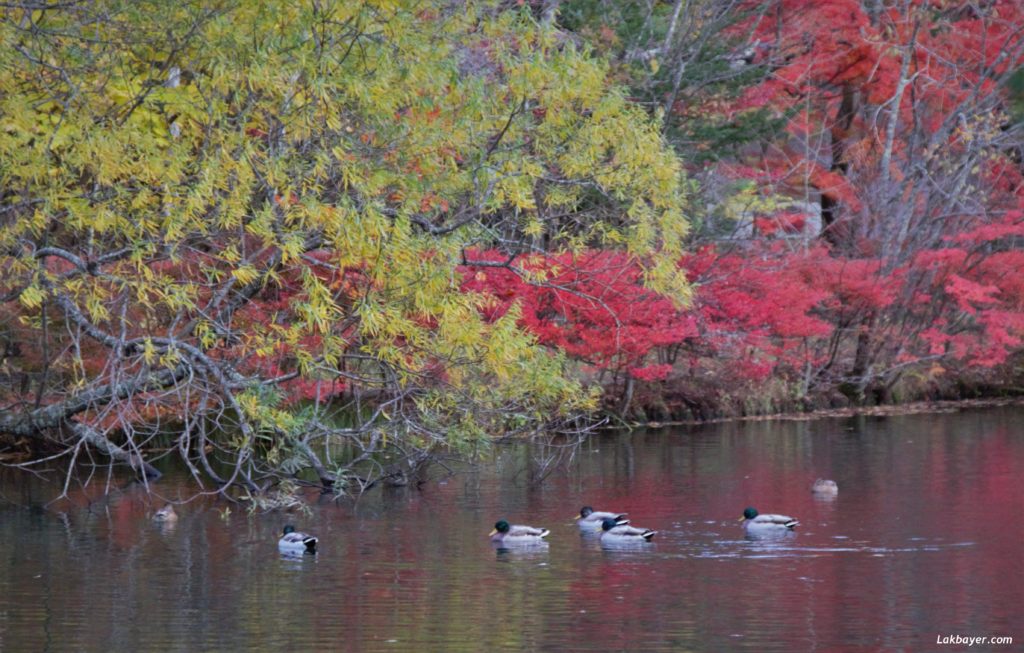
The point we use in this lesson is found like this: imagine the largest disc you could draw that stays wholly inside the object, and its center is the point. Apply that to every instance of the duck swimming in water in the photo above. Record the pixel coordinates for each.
(591, 520)
(293, 541)
(615, 533)
(506, 534)
(824, 486)
(756, 523)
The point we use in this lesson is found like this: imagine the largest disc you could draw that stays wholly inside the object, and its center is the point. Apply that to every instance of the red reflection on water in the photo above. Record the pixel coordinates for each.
(923, 539)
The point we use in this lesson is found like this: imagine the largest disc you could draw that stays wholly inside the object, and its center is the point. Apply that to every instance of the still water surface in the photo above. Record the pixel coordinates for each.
(924, 539)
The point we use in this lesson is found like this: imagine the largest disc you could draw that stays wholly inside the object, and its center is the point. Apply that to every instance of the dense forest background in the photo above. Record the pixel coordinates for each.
(335, 242)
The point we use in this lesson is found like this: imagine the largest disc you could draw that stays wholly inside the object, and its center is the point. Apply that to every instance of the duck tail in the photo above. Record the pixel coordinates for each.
(648, 535)
(310, 543)
(792, 523)
(619, 521)
(544, 532)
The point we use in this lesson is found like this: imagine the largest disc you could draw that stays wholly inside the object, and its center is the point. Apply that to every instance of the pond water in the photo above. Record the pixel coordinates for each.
(925, 539)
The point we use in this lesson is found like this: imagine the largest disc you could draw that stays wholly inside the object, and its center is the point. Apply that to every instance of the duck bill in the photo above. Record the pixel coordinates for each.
(491, 534)
(742, 518)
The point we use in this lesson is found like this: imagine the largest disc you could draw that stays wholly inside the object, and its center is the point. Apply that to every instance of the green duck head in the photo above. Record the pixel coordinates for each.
(288, 529)
(501, 526)
(585, 512)
(608, 524)
(749, 513)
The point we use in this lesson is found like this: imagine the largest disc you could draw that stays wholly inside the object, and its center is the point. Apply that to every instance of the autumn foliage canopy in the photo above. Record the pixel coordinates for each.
(333, 241)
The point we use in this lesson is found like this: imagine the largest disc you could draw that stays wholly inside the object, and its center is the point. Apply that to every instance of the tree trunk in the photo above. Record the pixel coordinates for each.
(834, 234)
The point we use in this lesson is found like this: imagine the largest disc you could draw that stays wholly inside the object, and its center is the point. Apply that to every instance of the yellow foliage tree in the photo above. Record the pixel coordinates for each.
(251, 220)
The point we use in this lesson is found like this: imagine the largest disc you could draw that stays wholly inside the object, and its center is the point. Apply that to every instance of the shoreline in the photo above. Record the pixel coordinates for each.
(912, 408)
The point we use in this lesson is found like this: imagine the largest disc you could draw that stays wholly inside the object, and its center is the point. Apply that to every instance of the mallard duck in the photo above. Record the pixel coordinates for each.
(616, 533)
(166, 514)
(507, 534)
(753, 521)
(591, 520)
(293, 541)
(825, 486)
